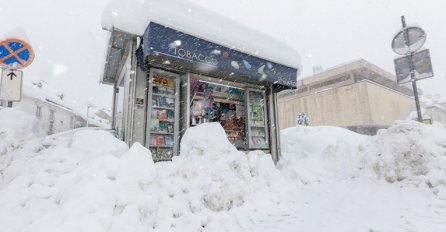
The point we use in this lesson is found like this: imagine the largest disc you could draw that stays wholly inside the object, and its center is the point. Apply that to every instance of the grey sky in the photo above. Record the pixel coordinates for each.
(70, 43)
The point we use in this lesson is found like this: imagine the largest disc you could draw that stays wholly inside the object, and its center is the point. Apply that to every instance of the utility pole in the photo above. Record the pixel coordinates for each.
(412, 70)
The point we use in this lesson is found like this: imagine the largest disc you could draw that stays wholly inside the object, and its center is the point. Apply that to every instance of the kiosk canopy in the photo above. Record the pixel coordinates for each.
(168, 47)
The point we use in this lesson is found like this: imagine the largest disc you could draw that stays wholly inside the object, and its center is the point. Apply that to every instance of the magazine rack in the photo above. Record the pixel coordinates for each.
(257, 124)
(163, 109)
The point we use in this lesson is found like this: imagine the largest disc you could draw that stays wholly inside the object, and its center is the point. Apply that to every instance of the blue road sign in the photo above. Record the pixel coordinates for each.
(15, 54)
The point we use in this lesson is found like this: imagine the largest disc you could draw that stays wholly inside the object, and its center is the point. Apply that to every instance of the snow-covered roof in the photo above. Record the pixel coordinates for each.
(133, 16)
(45, 93)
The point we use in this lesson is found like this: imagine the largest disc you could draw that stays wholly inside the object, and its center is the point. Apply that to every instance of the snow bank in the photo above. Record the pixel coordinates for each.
(311, 154)
(90, 181)
(210, 179)
(407, 153)
(133, 16)
(411, 152)
(16, 128)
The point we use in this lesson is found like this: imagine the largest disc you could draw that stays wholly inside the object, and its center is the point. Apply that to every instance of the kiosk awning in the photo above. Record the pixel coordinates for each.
(116, 55)
(165, 46)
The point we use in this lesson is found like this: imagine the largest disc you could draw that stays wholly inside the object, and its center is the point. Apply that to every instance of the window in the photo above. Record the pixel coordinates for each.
(212, 102)
(51, 122)
(119, 109)
(39, 112)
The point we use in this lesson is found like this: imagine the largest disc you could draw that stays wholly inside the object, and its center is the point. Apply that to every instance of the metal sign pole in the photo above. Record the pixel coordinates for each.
(412, 71)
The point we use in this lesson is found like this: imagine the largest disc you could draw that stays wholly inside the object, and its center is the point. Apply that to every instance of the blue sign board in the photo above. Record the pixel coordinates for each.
(15, 54)
(166, 46)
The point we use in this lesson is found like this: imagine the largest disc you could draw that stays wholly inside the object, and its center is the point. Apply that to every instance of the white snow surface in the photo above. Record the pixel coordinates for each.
(329, 179)
(133, 16)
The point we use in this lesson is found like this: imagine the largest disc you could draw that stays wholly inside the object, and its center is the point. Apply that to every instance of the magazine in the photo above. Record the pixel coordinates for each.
(170, 115)
(169, 140)
(154, 125)
(162, 127)
(170, 102)
(162, 115)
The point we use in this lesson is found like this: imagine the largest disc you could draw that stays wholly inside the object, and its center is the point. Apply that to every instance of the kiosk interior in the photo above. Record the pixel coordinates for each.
(173, 81)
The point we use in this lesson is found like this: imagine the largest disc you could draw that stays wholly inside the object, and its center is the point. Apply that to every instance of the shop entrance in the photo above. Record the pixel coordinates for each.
(238, 108)
(212, 102)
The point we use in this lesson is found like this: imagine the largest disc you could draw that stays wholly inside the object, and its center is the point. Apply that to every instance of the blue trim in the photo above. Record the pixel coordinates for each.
(167, 47)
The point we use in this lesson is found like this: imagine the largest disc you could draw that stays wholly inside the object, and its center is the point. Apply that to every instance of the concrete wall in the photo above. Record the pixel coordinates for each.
(343, 106)
(387, 105)
(360, 104)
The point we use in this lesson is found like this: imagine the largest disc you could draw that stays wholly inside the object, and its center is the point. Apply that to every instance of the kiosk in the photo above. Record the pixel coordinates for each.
(166, 81)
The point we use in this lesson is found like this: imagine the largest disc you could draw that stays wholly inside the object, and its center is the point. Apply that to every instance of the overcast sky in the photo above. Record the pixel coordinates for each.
(70, 44)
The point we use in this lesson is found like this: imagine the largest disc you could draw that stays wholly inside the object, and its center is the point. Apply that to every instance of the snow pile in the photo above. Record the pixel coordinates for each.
(200, 189)
(312, 154)
(88, 180)
(411, 152)
(16, 128)
(407, 153)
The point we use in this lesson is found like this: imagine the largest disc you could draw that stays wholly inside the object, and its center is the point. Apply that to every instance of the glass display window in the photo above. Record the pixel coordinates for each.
(215, 102)
(257, 126)
(162, 128)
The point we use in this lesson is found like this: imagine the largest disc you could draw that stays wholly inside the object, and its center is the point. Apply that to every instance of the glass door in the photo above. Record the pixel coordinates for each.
(162, 115)
(257, 125)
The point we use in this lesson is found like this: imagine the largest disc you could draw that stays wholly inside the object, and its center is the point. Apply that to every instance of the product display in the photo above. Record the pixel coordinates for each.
(257, 123)
(211, 102)
(161, 135)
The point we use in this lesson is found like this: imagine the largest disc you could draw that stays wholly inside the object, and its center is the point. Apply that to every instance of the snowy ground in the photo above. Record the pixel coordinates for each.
(328, 179)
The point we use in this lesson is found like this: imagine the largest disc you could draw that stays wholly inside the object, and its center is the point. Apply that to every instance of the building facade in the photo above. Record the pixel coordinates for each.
(53, 115)
(358, 95)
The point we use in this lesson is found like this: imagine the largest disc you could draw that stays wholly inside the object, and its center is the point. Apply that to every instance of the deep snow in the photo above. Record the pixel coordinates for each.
(329, 179)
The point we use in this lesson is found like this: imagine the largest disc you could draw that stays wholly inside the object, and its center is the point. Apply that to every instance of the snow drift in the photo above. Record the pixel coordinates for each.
(406, 153)
(87, 180)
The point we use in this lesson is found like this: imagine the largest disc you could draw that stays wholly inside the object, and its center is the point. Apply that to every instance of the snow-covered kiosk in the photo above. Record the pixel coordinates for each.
(174, 65)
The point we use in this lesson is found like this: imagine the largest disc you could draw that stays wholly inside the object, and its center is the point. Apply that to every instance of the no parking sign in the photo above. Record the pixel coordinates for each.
(15, 54)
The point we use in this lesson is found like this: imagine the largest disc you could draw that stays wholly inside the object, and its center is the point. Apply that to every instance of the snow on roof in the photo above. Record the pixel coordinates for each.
(133, 16)
(42, 91)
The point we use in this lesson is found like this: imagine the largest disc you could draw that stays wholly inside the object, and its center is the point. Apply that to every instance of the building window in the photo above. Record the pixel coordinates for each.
(51, 124)
(39, 112)
(72, 122)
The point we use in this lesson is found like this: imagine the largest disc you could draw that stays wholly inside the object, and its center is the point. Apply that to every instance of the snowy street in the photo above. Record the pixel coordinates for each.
(69, 182)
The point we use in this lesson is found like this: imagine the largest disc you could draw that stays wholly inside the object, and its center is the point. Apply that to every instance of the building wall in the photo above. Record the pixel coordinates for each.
(54, 118)
(360, 104)
(387, 105)
(342, 106)
(438, 114)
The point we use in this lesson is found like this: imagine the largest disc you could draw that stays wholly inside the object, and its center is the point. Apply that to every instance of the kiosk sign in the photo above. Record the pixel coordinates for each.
(163, 45)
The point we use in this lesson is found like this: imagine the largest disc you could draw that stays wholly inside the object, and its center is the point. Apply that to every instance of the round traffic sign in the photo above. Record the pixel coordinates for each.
(15, 54)
(415, 40)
